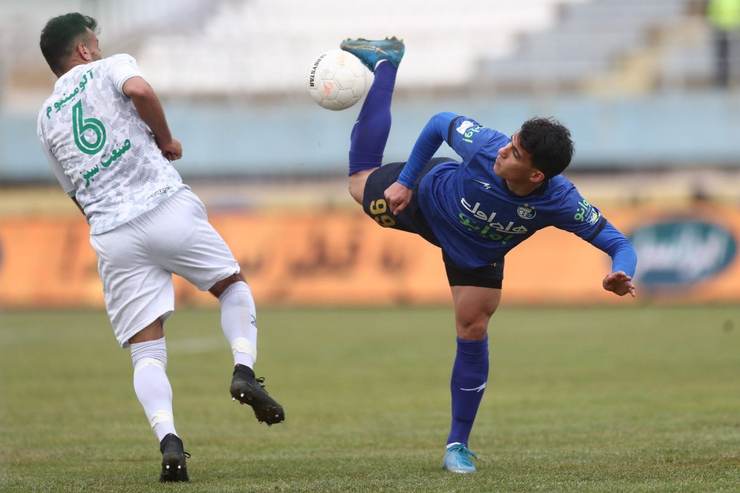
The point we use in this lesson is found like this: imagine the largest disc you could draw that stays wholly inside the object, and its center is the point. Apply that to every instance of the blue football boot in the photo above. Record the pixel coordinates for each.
(370, 52)
(458, 458)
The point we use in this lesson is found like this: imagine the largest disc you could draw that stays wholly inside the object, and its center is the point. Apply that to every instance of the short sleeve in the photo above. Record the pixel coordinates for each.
(121, 68)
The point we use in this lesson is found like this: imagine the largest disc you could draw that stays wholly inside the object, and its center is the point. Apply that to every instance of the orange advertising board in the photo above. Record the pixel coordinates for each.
(339, 257)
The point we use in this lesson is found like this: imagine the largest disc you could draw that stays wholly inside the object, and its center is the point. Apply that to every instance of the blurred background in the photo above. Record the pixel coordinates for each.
(649, 89)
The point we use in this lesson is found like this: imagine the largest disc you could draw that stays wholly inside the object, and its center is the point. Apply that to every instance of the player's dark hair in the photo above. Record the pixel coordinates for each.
(549, 144)
(59, 36)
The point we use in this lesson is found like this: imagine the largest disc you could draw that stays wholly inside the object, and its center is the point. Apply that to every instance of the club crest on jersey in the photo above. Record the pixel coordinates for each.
(526, 212)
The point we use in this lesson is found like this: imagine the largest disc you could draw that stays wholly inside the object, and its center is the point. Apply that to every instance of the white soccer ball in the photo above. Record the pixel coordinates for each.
(337, 80)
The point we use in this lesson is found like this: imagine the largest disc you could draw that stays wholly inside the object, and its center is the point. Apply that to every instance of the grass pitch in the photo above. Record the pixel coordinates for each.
(617, 399)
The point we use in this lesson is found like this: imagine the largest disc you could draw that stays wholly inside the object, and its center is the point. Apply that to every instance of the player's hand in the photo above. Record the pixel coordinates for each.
(619, 283)
(398, 197)
(171, 150)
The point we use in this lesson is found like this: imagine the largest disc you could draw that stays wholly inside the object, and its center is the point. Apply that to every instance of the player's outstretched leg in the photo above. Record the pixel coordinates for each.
(370, 52)
(373, 125)
(174, 466)
(239, 323)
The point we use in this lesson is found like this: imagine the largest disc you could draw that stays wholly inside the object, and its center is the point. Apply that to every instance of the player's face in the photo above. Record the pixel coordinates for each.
(514, 164)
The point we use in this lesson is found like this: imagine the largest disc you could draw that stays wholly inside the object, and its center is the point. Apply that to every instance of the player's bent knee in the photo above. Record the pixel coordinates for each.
(218, 288)
(357, 195)
(357, 187)
(151, 332)
(357, 183)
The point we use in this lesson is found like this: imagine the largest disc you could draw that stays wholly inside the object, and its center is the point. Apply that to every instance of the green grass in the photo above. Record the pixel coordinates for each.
(643, 399)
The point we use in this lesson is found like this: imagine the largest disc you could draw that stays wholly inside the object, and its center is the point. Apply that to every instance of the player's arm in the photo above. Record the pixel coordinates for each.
(437, 130)
(463, 134)
(431, 137)
(398, 195)
(150, 110)
(624, 259)
(586, 221)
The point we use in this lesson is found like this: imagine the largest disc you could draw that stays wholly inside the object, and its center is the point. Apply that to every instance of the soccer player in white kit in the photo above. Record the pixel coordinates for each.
(109, 146)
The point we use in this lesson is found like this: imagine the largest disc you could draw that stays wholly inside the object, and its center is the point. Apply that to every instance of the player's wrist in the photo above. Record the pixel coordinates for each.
(405, 183)
(164, 140)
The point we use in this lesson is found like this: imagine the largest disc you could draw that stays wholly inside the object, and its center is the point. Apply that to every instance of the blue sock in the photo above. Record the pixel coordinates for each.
(469, 377)
(370, 133)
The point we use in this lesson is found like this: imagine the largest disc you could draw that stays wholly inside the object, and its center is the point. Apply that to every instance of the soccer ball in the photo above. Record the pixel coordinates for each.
(337, 80)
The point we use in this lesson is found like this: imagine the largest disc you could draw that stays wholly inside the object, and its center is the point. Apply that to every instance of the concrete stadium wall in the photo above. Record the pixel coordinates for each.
(298, 137)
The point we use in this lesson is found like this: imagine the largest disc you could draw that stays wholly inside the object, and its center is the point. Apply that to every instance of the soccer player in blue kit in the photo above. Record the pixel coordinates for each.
(476, 211)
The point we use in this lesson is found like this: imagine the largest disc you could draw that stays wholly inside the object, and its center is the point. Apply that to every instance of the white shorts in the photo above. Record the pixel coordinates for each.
(136, 261)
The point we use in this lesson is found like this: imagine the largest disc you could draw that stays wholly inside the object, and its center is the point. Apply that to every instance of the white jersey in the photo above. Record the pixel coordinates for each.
(99, 148)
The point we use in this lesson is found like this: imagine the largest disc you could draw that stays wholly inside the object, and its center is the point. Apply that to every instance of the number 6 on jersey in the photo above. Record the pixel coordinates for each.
(80, 125)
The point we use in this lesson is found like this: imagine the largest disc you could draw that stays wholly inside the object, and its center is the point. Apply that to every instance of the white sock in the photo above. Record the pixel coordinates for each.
(152, 386)
(239, 322)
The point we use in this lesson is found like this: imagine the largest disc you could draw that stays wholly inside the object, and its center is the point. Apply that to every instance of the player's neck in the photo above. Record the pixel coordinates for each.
(522, 189)
(72, 64)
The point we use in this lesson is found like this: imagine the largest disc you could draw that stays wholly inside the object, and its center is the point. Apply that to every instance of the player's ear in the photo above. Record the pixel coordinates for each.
(83, 51)
(537, 176)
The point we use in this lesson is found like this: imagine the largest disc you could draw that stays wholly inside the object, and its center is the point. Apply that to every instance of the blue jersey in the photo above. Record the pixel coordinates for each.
(477, 219)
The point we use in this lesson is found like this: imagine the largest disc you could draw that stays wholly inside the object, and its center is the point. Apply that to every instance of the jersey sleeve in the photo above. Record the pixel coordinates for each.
(431, 137)
(580, 217)
(466, 136)
(619, 248)
(463, 134)
(122, 68)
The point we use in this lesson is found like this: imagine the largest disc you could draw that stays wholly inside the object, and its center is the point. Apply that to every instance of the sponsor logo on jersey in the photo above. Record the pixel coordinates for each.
(161, 191)
(467, 129)
(464, 126)
(586, 213)
(79, 88)
(485, 185)
(489, 218)
(115, 155)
